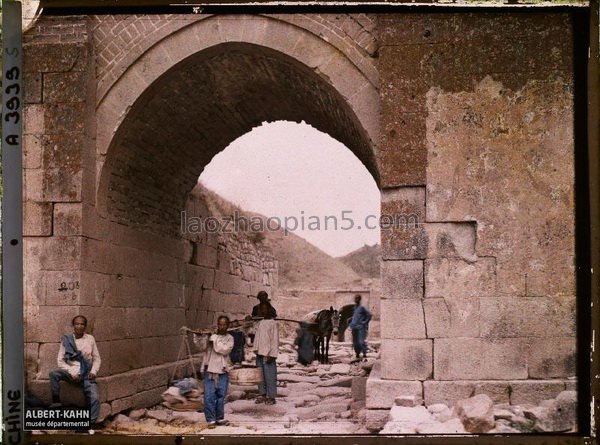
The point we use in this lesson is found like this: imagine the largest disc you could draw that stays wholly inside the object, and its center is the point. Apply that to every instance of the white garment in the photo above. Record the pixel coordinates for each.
(217, 355)
(87, 345)
(266, 340)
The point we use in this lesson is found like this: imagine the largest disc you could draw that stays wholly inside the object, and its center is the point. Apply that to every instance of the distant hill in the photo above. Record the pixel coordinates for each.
(302, 265)
(364, 261)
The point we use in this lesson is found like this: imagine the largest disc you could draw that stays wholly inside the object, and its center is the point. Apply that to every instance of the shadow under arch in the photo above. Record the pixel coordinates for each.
(195, 110)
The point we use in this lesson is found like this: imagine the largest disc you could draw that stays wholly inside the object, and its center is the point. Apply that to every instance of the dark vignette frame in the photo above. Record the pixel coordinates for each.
(587, 210)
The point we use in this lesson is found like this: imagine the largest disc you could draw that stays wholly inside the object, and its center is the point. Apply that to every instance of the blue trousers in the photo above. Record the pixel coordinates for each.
(90, 389)
(359, 341)
(268, 385)
(214, 396)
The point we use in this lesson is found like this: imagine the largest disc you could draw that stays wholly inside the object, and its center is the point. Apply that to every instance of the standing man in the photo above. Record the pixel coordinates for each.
(78, 362)
(263, 297)
(216, 378)
(266, 347)
(359, 325)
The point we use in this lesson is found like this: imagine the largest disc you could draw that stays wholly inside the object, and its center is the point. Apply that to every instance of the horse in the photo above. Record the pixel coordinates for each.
(323, 324)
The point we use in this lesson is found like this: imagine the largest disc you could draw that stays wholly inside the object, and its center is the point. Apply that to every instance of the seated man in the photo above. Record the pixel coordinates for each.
(78, 362)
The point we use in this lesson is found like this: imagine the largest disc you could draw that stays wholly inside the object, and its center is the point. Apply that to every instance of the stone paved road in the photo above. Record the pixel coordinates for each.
(314, 399)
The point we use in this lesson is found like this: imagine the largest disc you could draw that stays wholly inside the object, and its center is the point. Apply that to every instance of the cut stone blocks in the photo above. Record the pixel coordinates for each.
(383, 393)
(533, 392)
(402, 217)
(451, 317)
(527, 317)
(37, 218)
(402, 318)
(401, 279)
(553, 358)
(478, 358)
(451, 240)
(376, 419)
(449, 277)
(406, 359)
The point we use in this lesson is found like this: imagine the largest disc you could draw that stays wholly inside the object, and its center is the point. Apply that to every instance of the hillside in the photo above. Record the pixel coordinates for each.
(364, 261)
(301, 264)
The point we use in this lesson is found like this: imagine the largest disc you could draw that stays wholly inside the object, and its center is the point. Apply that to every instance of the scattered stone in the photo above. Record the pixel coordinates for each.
(559, 416)
(476, 413)
(161, 415)
(416, 415)
(437, 408)
(342, 381)
(339, 368)
(187, 416)
(503, 429)
(120, 419)
(346, 414)
(330, 391)
(453, 426)
(137, 414)
(298, 378)
(503, 414)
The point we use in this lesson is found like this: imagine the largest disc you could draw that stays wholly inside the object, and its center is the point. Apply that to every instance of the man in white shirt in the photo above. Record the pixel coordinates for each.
(78, 361)
(266, 347)
(216, 378)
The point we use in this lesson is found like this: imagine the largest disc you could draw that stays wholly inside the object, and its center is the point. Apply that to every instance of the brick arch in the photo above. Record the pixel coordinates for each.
(296, 78)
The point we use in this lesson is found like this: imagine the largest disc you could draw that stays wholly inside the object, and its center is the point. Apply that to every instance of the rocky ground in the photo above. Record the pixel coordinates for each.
(314, 399)
(329, 399)
(478, 415)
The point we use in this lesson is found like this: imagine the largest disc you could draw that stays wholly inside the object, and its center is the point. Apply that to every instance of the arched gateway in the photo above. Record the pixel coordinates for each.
(124, 112)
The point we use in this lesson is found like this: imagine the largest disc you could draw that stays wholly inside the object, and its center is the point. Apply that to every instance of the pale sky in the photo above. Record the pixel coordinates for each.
(284, 169)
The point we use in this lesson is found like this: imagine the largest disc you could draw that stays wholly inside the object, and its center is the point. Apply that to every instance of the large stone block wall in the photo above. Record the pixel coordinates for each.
(477, 143)
(475, 146)
(137, 288)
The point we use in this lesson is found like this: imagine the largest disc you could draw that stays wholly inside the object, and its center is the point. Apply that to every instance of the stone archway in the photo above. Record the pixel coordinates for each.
(164, 133)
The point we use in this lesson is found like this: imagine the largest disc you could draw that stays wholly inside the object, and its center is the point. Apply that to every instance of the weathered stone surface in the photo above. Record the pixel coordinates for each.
(451, 240)
(405, 420)
(345, 382)
(55, 57)
(137, 414)
(448, 393)
(68, 219)
(451, 317)
(521, 199)
(376, 419)
(402, 318)
(561, 415)
(402, 279)
(534, 391)
(339, 368)
(407, 401)
(65, 87)
(37, 218)
(552, 358)
(448, 277)
(452, 426)
(480, 359)
(406, 359)
(383, 393)
(476, 413)
(527, 317)
(402, 216)
(105, 411)
(359, 388)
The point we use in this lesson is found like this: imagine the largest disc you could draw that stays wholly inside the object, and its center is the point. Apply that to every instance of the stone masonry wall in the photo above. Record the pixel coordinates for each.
(477, 141)
(136, 288)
